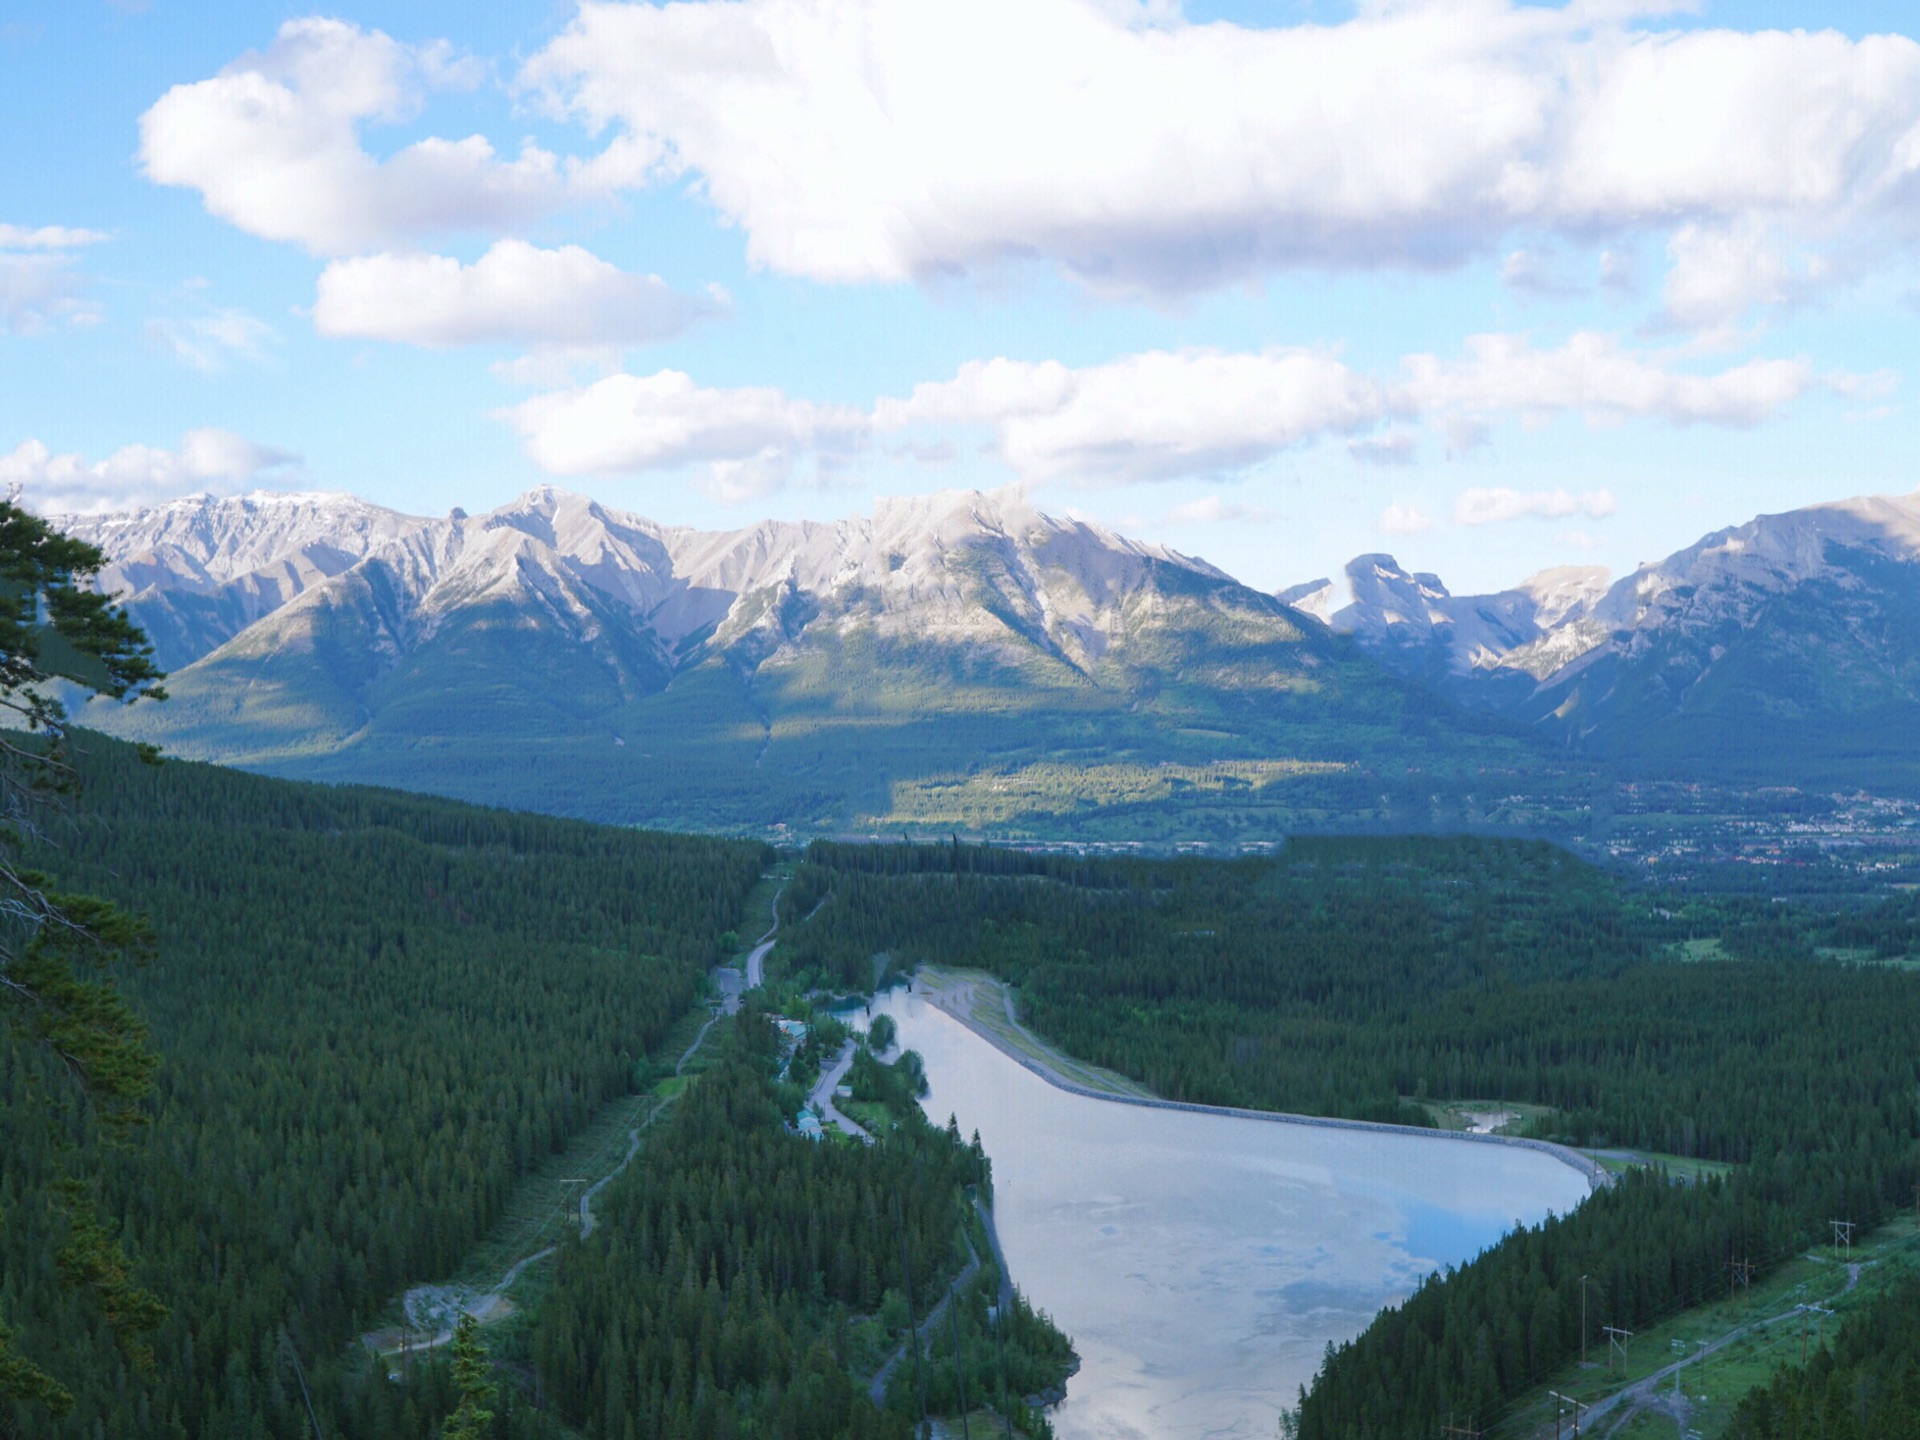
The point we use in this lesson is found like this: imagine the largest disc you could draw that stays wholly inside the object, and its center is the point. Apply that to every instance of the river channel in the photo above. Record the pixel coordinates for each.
(1201, 1263)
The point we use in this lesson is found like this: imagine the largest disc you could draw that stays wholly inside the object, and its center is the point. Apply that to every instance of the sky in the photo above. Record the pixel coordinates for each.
(1487, 286)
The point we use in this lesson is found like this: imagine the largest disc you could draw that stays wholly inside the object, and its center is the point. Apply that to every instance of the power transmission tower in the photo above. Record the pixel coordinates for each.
(1578, 1407)
(1583, 1322)
(1616, 1342)
(1843, 1235)
(1459, 1432)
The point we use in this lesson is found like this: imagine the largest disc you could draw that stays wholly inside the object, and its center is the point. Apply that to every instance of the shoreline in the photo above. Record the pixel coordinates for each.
(1596, 1175)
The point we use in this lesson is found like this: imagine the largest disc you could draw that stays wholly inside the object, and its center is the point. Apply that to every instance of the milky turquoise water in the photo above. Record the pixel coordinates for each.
(1201, 1263)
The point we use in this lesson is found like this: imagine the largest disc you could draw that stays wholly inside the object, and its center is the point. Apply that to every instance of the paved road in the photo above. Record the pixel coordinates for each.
(756, 962)
(822, 1097)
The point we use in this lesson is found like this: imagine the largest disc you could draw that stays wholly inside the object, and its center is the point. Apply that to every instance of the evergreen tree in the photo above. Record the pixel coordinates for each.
(52, 943)
(473, 1376)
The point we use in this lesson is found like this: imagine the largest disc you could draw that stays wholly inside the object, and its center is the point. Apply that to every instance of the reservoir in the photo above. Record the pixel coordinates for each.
(1201, 1263)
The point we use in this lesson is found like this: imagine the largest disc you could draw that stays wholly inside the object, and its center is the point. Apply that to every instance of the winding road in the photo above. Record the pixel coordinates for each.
(822, 1097)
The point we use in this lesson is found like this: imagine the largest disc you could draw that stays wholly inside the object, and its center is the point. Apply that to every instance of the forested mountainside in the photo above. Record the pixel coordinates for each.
(373, 1012)
(1785, 651)
(960, 658)
(1371, 978)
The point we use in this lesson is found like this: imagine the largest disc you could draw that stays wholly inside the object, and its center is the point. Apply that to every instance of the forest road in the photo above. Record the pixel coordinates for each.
(757, 960)
(822, 1097)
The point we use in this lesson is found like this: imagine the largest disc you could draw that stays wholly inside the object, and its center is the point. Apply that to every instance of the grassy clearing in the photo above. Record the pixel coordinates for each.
(1680, 1167)
(1767, 1326)
(757, 913)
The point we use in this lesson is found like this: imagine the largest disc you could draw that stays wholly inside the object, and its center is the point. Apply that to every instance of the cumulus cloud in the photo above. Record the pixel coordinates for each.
(1400, 518)
(746, 442)
(1159, 415)
(272, 143)
(859, 140)
(1480, 506)
(207, 459)
(1155, 416)
(515, 292)
(1720, 272)
(39, 285)
(1592, 375)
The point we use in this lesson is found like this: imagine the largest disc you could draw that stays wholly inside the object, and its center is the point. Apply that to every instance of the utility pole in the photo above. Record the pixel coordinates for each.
(1741, 1271)
(959, 1360)
(286, 1348)
(1843, 1235)
(1616, 1341)
(913, 1329)
(1001, 1320)
(1459, 1432)
(1583, 1322)
(1577, 1408)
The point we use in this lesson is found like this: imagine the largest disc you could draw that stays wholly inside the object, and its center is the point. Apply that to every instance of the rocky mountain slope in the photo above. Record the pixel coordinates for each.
(1784, 650)
(951, 656)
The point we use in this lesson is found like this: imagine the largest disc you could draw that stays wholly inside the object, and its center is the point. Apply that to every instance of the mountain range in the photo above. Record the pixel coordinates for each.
(964, 660)
(1783, 651)
(959, 659)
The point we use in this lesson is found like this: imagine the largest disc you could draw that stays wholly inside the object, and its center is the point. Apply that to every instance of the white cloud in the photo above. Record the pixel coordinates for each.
(39, 291)
(1720, 272)
(1155, 416)
(749, 441)
(1159, 415)
(1396, 447)
(1216, 510)
(1591, 375)
(39, 287)
(556, 367)
(515, 292)
(272, 143)
(1480, 506)
(1536, 272)
(1400, 518)
(47, 237)
(888, 140)
(208, 459)
(207, 342)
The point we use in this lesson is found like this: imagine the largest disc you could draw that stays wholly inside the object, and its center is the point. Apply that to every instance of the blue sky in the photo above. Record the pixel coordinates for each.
(1491, 287)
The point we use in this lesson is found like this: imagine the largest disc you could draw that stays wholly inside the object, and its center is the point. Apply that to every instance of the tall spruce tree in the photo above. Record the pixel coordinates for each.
(53, 944)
